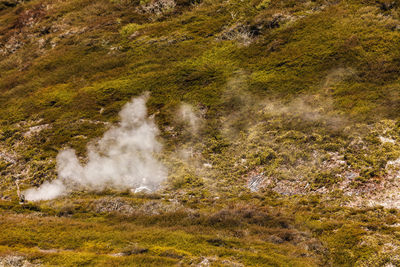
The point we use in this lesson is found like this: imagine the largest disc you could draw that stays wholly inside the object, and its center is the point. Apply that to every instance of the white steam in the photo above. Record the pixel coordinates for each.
(187, 114)
(48, 190)
(122, 159)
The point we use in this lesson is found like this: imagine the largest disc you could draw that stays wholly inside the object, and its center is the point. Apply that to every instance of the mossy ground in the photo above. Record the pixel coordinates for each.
(304, 94)
(260, 231)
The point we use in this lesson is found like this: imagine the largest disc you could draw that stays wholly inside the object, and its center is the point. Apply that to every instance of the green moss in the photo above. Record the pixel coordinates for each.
(130, 29)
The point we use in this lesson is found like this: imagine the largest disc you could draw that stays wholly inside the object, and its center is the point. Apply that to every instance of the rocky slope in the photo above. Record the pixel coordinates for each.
(279, 122)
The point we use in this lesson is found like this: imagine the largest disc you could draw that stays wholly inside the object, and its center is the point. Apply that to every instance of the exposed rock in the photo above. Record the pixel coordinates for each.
(35, 130)
(11, 46)
(290, 187)
(8, 157)
(204, 263)
(158, 7)
(232, 263)
(141, 189)
(15, 261)
(93, 121)
(387, 140)
(207, 165)
(113, 205)
(255, 182)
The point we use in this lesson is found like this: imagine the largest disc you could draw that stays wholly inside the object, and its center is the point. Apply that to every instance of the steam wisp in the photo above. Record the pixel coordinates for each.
(122, 159)
(187, 114)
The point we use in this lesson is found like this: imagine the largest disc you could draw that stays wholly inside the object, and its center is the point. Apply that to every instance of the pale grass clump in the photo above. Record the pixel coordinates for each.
(239, 33)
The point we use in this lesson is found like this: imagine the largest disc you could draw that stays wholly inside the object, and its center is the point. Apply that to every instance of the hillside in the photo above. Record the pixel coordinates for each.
(199, 132)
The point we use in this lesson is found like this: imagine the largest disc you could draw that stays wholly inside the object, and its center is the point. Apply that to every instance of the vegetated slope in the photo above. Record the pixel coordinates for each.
(288, 158)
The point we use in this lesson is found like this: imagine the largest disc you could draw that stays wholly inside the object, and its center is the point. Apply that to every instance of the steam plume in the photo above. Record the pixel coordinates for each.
(123, 158)
(187, 114)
